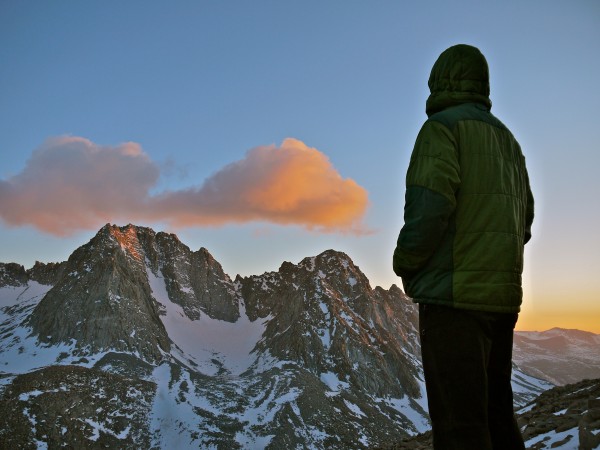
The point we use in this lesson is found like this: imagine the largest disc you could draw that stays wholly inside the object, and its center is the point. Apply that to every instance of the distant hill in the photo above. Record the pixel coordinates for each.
(558, 355)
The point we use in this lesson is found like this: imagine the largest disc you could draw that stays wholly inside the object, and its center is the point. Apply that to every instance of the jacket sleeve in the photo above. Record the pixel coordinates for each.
(432, 180)
(529, 213)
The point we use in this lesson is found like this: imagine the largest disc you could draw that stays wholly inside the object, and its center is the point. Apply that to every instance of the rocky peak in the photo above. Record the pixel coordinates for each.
(337, 267)
(327, 317)
(111, 293)
(196, 281)
(46, 273)
(103, 301)
(127, 237)
(12, 274)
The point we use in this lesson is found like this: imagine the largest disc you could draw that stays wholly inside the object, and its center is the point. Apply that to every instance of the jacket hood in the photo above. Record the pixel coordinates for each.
(460, 75)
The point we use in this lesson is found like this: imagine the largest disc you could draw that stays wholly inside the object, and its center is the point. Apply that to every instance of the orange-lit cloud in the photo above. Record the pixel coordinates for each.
(70, 184)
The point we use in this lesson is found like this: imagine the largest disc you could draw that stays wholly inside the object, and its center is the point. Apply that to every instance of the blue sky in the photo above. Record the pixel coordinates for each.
(195, 86)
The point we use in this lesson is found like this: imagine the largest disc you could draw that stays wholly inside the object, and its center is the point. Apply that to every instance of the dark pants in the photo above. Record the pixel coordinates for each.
(467, 358)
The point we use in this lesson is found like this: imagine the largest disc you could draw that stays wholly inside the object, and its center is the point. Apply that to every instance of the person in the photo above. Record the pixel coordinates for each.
(467, 216)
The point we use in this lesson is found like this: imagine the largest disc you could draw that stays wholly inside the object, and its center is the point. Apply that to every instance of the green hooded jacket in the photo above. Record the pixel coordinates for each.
(468, 207)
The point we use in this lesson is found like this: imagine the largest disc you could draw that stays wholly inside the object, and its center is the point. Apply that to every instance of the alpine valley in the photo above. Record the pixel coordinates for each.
(138, 342)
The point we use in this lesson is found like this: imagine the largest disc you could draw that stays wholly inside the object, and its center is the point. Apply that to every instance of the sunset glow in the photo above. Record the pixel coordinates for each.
(541, 321)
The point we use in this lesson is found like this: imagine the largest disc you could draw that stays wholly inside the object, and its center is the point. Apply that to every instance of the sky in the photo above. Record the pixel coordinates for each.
(269, 131)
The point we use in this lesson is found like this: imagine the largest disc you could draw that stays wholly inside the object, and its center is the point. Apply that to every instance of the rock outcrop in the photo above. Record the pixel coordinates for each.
(85, 408)
(564, 417)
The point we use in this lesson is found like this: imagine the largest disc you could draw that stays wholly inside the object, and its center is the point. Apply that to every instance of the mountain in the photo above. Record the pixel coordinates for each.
(136, 342)
(559, 356)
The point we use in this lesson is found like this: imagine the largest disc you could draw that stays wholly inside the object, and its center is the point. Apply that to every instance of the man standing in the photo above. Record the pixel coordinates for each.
(467, 217)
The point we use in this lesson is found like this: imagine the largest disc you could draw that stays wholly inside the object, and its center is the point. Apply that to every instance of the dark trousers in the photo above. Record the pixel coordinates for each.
(467, 359)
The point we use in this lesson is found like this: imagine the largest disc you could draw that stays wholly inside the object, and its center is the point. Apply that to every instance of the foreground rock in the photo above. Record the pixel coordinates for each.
(69, 404)
(565, 417)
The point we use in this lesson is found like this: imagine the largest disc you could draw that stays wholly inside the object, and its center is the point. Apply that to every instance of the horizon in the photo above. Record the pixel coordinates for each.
(283, 130)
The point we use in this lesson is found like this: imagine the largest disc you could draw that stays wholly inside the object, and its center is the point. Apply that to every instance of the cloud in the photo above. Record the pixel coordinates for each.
(70, 184)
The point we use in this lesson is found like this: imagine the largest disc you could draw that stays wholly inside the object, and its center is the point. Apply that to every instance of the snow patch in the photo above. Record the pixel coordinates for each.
(332, 381)
(33, 291)
(569, 440)
(404, 406)
(355, 409)
(212, 344)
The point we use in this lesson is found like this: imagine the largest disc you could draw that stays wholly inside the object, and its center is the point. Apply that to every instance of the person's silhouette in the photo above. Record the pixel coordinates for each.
(467, 216)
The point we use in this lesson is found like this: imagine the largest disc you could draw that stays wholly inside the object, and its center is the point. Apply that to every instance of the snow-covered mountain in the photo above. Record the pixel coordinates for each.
(558, 355)
(136, 342)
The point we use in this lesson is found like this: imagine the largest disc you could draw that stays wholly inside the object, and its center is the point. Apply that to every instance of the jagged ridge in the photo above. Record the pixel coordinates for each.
(307, 356)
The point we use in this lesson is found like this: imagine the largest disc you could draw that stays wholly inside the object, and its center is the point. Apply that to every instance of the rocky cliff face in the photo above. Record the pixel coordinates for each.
(103, 300)
(309, 356)
(12, 274)
(330, 320)
(83, 408)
